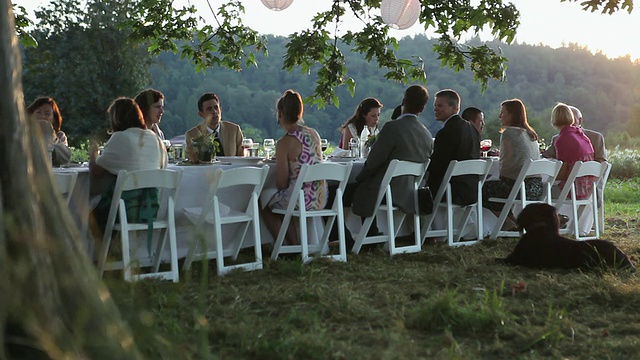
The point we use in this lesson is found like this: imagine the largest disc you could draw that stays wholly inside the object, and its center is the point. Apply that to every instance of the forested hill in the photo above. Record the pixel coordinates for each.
(604, 89)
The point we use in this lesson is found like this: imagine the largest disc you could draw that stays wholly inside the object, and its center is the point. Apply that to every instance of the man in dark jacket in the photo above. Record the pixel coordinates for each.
(457, 140)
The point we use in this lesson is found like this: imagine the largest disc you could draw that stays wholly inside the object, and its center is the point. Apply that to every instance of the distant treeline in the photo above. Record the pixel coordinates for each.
(607, 91)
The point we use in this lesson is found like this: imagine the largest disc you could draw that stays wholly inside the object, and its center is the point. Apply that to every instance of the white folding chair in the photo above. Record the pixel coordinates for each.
(165, 180)
(547, 170)
(601, 185)
(297, 208)
(396, 168)
(567, 196)
(210, 213)
(443, 201)
(66, 182)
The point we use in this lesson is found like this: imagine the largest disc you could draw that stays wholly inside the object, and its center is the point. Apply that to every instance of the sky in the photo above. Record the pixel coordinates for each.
(548, 22)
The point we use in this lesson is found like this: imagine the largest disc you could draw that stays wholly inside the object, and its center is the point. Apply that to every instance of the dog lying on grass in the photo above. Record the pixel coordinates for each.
(543, 247)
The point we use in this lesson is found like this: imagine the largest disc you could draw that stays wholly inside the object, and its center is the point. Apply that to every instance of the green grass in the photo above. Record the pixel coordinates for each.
(443, 303)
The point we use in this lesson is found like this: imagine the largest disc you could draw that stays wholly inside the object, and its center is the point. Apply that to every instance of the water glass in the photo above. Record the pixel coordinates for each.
(354, 147)
(269, 145)
(246, 146)
(254, 149)
(324, 144)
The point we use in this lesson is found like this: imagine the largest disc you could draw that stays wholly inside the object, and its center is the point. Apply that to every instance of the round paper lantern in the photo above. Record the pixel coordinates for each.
(277, 5)
(400, 14)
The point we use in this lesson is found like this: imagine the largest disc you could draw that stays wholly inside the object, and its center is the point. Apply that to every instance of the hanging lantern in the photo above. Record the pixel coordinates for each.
(277, 5)
(400, 14)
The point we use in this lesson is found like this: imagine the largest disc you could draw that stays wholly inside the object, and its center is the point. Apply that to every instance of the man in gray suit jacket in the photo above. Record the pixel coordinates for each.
(404, 138)
(597, 139)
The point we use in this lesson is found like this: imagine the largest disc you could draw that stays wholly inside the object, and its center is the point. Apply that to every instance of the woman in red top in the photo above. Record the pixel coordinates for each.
(571, 145)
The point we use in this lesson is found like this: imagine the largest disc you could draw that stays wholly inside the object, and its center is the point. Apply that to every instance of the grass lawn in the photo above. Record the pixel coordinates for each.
(444, 303)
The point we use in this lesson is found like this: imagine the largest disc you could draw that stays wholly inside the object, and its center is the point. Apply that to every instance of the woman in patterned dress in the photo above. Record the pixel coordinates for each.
(299, 145)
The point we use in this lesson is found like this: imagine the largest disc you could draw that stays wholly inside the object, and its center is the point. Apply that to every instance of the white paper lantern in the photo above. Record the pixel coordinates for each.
(400, 14)
(277, 5)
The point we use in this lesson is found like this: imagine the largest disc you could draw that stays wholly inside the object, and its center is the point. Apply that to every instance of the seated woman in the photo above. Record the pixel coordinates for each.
(151, 103)
(518, 144)
(131, 147)
(46, 110)
(367, 114)
(571, 145)
(299, 145)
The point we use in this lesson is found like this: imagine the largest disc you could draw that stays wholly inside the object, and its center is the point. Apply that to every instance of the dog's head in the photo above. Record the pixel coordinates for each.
(539, 215)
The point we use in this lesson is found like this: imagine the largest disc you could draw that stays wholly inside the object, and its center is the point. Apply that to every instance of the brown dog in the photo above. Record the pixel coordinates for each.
(543, 247)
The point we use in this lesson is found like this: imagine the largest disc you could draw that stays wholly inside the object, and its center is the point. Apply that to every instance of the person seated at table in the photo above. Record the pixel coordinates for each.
(131, 147)
(571, 145)
(46, 109)
(457, 140)
(475, 117)
(518, 144)
(151, 103)
(299, 145)
(404, 138)
(228, 134)
(596, 138)
(367, 114)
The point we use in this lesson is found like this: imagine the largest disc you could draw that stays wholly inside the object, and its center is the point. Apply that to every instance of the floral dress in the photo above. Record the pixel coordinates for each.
(315, 192)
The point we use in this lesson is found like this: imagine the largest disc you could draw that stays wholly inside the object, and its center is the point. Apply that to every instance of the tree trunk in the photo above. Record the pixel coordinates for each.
(49, 290)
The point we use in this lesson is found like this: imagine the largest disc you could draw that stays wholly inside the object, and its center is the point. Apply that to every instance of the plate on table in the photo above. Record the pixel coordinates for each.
(341, 159)
(186, 163)
(243, 160)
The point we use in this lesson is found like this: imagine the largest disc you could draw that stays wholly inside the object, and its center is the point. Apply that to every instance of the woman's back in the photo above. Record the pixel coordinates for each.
(516, 147)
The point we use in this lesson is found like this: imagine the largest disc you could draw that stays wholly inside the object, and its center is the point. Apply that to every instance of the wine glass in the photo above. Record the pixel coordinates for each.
(485, 145)
(354, 147)
(254, 149)
(324, 144)
(246, 146)
(269, 145)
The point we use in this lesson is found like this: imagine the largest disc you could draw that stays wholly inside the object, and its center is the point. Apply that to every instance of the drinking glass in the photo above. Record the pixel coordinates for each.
(254, 149)
(354, 147)
(246, 146)
(485, 145)
(324, 144)
(269, 145)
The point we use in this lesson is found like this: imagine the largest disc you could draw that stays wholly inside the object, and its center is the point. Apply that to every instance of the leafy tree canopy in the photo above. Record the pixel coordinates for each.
(229, 43)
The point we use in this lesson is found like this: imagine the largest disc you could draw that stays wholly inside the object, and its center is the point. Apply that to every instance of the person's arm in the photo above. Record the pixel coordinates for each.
(190, 152)
(346, 136)
(95, 170)
(239, 137)
(282, 162)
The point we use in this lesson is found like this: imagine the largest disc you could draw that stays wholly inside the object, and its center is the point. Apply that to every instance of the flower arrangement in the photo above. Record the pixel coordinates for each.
(207, 146)
(371, 140)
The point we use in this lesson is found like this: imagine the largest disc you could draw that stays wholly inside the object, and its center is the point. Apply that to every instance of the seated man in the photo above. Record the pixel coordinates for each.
(228, 134)
(457, 140)
(404, 138)
(475, 117)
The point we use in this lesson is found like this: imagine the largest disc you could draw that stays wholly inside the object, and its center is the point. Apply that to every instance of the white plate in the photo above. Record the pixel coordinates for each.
(248, 160)
(342, 159)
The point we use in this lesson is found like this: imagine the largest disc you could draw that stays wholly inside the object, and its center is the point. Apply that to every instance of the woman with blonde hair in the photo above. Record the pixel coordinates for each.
(571, 145)
(299, 145)
(518, 144)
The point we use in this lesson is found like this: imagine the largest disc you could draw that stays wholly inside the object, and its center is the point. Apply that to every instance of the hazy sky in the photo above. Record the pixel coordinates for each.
(548, 22)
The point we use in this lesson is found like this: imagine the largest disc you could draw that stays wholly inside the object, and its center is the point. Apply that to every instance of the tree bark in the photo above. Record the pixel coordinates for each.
(50, 291)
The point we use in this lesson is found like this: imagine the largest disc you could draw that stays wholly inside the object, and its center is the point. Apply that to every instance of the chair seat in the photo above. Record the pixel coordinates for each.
(143, 226)
(314, 213)
(232, 217)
